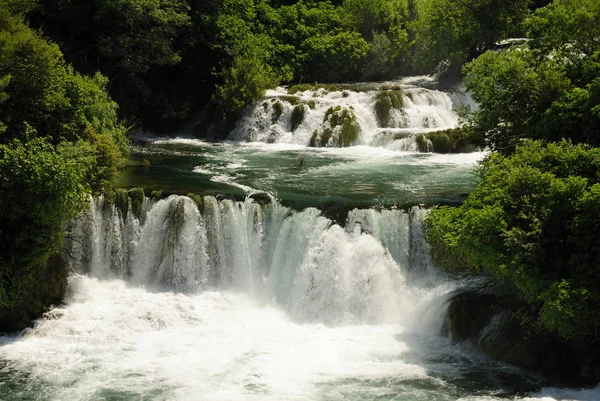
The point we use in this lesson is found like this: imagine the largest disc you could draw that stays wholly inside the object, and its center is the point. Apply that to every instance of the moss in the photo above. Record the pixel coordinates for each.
(422, 143)
(293, 100)
(384, 102)
(198, 199)
(137, 198)
(297, 116)
(313, 139)
(340, 128)
(455, 140)
(121, 200)
(312, 104)
(345, 94)
(156, 195)
(312, 87)
(349, 133)
(277, 111)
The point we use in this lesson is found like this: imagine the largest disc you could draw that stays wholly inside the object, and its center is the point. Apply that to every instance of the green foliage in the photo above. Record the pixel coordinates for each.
(59, 138)
(548, 89)
(335, 57)
(138, 44)
(32, 79)
(40, 191)
(532, 220)
(455, 32)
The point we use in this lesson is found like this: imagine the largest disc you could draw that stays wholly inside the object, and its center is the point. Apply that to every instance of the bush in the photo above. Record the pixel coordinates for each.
(40, 191)
(532, 220)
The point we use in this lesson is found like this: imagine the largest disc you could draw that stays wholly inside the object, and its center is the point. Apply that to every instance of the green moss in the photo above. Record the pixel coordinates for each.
(455, 140)
(293, 100)
(422, 143)
(312, 104)
(384, 102)
(340, 128)
(277, 111)
(198, 199)
(156, 195)
(122, 201)
(297, 116)
(137, 198)
(349, 133)
(312, 87)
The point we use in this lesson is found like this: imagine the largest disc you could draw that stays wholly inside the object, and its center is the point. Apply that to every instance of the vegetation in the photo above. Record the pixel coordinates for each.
(532, 220)
(547, 89)
(166, 60)
(339, 129)
(533, 217)
(384, 103)
(60, 138)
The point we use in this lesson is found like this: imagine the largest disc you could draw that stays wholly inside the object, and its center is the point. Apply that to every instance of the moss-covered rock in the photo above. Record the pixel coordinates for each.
(277, 111)
(156, 195)
(313, 87)
(297, 116)
(422, 143)
(312, 104)
(293, 100)
(137, 198)
(384, 103)
(121, 200)
(457, 140)
(339, 129)
(198, 199)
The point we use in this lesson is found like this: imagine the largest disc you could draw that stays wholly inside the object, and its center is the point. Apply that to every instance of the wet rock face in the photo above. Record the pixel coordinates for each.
(488, 320)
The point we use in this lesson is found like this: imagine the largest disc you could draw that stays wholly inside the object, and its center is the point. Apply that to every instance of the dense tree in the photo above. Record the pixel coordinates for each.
(545, 89)
(60, 138)
(456, 32)
(532, 220)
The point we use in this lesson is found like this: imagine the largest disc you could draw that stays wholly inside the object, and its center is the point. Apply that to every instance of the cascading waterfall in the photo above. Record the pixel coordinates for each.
(245, 301)
(315, 269)
(423, 110)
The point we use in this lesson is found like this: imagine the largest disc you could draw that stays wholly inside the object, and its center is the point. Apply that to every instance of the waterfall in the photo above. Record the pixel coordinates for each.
(295, 118)
(302, 261)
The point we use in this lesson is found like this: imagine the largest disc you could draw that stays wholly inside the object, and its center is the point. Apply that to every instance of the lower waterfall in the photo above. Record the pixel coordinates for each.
(314, 269)
(235, 301)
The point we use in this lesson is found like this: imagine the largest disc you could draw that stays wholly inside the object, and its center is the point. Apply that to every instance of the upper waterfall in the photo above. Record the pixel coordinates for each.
(389, 114)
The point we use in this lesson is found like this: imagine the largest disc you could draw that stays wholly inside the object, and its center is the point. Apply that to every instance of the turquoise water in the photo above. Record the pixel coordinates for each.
(298, 176)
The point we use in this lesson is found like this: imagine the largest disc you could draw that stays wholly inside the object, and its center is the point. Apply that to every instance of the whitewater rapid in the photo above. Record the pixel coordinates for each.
(268, 304)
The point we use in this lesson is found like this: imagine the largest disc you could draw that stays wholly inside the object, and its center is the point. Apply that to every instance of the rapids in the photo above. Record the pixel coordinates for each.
(324, 290)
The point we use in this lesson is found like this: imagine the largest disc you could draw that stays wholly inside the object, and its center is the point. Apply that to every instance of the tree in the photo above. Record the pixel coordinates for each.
(457, 32)
(545, 89)
(532, 220)
(40, 191)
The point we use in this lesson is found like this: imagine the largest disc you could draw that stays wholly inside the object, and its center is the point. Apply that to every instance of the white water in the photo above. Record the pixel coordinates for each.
(300, 261)
(249, 302)
(424, 110)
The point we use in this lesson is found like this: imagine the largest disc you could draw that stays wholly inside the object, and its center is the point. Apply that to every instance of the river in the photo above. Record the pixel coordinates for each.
(321, 290)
